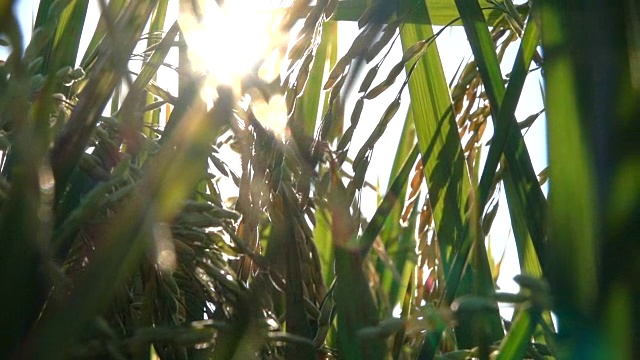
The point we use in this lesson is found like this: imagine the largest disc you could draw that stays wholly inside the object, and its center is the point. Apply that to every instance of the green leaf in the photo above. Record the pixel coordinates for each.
(388, 203)
(71, 143)
(67, 38)
(354, 303)
(518, 339)
(441, 12)
(526, 202)
(114, 7)
(129, 114)
(446, 174)
(308, 104)
(592, 107)
(399, 240)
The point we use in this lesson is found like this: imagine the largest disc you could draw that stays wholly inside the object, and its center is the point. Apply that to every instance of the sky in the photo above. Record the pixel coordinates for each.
(23, 11)
(454, 49)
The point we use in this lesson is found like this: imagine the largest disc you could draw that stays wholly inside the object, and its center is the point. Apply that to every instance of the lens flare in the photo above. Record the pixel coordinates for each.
(228, 41)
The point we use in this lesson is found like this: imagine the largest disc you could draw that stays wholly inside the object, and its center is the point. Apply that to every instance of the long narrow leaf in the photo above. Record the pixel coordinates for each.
(445, 170)
(70, 145)
(67, 39)
(355, 308)
(441, 12)
(388, 203)
(529, 262)
(521, 184)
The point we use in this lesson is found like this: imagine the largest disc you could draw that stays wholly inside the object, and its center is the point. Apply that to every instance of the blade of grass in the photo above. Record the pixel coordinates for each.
(388, 203)
(437, 138)
(127, 114)
(322, 239)
(404, 258)
(593, 110)
(446, 173)
(524, 196)
(114, 7)
(23, 228)
(44, 16)
(518, 339)
(529, 262)
(284, 214)
(67, 38)
(572, 174)
(522, 203)
(152, 118)
(441, 12)
(398, 240)
(71, 143)
(407, 301)
(43, 12)
(308, 105)
(354, 303)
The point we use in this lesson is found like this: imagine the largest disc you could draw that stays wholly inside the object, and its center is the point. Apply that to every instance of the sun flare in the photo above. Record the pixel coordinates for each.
(228, 41)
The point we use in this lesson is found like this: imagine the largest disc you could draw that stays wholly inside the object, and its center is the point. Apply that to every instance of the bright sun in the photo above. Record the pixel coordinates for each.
(230, 39)
(227, 41)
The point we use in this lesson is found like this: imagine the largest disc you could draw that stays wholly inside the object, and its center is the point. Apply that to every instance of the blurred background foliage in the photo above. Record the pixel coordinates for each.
(144, 220)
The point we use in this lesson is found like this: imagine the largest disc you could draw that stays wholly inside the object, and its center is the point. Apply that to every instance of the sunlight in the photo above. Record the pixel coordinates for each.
(228, 41)
(272, 115)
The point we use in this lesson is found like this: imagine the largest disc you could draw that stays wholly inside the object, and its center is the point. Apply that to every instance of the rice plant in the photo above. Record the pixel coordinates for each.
(147, 218)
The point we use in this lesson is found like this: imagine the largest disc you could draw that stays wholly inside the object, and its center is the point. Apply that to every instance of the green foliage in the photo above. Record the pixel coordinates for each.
(163, 227)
